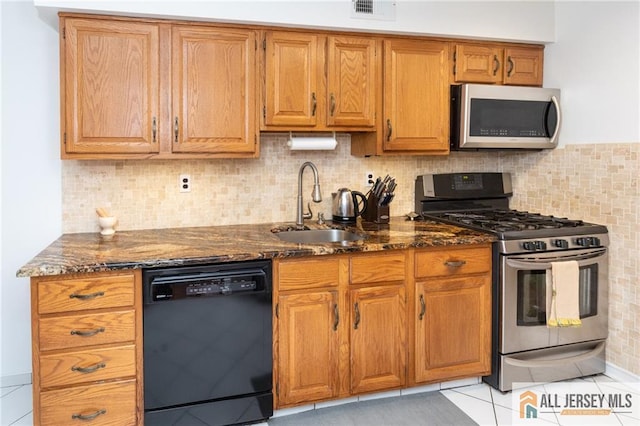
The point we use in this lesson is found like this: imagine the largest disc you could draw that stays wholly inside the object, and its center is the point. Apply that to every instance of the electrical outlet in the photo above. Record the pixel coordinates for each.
(369, 179)
(184, 183)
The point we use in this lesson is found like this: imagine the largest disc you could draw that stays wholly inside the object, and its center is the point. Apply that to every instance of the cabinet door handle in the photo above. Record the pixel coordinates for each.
(423, 308)
(496, 64)
(336, 317)
(88, 416)
(154, 128)
(87, 333)
(389, 130)
(332, 106)
(314, 104)
(455, 263)
(510, 62)
(89, 369)
(357, 310)
(176, 130)
(86, 296)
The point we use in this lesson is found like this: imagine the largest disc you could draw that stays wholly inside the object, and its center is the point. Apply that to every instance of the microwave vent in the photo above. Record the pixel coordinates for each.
(384, 10)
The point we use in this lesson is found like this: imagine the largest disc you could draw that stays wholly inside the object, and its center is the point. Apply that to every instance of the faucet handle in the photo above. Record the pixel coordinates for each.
(309, 214)
(320, 218)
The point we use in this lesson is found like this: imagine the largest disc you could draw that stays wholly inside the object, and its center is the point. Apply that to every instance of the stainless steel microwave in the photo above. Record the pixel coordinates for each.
(486, 116)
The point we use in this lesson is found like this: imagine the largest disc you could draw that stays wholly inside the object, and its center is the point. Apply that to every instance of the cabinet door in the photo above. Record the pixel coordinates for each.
(416, 96)
(351, 81)
(453, 328)
(378, 352)
(308, 342)
(523, 66)
(110, 87)
(214, 90)
(292, 91)
(478, 64)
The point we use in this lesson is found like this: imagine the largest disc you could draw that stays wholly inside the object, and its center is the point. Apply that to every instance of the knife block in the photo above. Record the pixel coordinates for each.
(375, 213)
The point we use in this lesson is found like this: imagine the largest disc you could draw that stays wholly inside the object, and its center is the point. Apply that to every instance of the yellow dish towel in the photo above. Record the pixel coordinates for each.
(563, 291)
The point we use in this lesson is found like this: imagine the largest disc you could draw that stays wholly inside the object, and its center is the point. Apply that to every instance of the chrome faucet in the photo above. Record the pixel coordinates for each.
(315, 194)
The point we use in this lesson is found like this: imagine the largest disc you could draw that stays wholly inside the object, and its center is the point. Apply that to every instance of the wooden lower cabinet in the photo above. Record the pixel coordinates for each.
(87, 349)
(347, 325)
(308, 347)
(378, 344)
(104, 404)
(453, 314)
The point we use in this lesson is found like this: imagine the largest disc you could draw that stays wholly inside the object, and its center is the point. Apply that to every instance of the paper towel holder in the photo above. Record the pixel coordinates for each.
(312, 143)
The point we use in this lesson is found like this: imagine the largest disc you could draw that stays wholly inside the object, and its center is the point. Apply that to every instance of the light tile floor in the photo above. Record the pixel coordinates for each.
(485, 405)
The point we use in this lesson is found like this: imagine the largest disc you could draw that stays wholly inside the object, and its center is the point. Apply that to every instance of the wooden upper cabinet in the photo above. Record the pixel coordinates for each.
(292, 86)
(109, 86)
(478, 63)
(524, 65)
(416, 96)
(214, 84)
(319, 82)
(498, 64)
(143, 89)
(351, 81)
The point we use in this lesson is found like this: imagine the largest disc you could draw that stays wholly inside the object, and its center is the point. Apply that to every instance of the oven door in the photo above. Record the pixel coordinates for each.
(523, 294)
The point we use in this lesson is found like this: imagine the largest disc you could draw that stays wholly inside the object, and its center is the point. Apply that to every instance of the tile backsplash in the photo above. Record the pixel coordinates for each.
(596, 183)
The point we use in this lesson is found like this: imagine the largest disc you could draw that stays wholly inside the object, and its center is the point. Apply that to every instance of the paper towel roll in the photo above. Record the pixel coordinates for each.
(310, 143)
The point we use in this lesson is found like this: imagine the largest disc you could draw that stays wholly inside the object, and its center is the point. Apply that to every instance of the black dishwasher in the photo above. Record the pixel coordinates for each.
(207, 344)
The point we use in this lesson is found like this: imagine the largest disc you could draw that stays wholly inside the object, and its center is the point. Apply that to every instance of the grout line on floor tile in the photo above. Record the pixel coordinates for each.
(493, 404)
(17, 422)
(15, 388)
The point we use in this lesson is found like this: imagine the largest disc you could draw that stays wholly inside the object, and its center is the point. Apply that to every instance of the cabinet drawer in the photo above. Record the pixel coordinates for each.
(378, 268)
(87, 366)
(83, 330)
(311, 273)
(64, 295)
(112, 404)
(453, 262)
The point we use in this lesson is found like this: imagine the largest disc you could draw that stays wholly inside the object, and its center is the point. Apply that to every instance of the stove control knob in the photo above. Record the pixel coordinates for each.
(529, 245)
(583, 241)
(541, 245)
(563, 244)
(594, 241)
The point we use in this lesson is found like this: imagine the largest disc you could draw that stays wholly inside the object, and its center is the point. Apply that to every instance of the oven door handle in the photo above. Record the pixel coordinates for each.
(582, 260)
(558, 362)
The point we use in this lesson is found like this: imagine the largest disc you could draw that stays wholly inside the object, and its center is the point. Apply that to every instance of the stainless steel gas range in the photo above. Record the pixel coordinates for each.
(524, 348)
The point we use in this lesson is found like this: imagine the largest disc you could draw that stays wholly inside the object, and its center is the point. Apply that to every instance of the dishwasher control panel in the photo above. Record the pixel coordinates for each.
(181, 283)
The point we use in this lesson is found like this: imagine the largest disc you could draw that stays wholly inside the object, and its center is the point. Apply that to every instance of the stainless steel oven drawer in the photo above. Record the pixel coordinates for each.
(552, 364)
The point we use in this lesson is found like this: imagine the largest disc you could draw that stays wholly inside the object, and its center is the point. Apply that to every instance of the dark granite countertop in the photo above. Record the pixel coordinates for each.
(90, 252)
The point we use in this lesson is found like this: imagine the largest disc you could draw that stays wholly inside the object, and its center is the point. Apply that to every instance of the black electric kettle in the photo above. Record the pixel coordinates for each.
(346, 205)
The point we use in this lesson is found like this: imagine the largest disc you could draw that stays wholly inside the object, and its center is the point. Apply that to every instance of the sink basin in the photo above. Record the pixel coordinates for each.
(316, 236)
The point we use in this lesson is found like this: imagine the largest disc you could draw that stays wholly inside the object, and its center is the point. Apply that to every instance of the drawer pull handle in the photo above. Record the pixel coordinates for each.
(455, 263)
(423, 307)
(87, 333)
(86, 296)
(91, 416)
(89, 369)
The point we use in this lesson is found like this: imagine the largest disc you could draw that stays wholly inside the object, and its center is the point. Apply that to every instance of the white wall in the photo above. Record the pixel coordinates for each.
(31, 185)
(31, 182)
(525, 20)
(596, 63)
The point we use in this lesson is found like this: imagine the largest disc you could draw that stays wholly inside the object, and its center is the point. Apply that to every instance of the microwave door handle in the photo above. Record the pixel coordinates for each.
(554, 137)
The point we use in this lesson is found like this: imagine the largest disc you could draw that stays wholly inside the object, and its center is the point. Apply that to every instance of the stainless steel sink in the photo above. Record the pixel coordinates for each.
(318, 236)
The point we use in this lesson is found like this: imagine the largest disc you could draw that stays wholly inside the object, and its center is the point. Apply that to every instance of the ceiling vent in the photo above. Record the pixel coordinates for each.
(384, 10)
